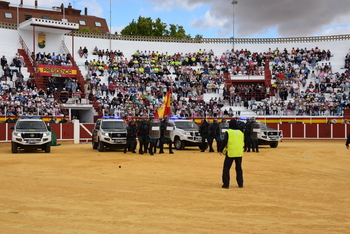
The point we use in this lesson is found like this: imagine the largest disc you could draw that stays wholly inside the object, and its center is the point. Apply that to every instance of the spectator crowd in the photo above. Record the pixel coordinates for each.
(303, 83)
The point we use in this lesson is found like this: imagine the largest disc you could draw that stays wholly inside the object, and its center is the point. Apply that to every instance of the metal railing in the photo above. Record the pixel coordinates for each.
(39, 80)
(28, 53)
(214, 40)
(81, 80)
(201, 40)
(79, 76)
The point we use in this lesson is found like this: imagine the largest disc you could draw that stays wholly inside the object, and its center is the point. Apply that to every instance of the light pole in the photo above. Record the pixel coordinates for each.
(233, 25)
(110, 26)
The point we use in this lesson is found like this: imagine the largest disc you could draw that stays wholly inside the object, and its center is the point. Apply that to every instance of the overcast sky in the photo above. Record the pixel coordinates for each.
(214, 18)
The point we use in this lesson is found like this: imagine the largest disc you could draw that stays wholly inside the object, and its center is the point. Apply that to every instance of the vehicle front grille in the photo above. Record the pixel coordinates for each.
(32, 135)
(117, 134)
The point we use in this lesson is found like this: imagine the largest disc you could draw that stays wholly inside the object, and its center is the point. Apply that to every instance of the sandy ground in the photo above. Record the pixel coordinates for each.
(299, 187)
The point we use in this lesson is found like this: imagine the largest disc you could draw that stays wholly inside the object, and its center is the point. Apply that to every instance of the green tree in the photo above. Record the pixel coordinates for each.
(131, 29)
(144, 26)
(96, 30)
(178, 31)
(147, 27)
(159, 28)
(84, 29)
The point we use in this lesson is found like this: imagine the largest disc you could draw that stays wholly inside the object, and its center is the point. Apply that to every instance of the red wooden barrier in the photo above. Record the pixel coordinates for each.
(289, 131)
(85, 131)
(311, 130)
(298, 130)
(325, 130)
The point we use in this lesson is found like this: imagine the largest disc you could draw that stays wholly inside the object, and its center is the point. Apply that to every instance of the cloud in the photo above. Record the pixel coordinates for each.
(288, 17)
(337, 30)
(94, 8)
(209, 21)
(161, 5)
(117, 29)
(252, 17)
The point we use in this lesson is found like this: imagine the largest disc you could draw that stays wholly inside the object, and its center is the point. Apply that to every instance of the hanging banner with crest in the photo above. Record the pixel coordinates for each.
(41, 40)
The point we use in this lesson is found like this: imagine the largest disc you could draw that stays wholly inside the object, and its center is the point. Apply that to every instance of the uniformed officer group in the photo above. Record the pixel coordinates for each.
(157, 132)
(150, 133)
(215, 131)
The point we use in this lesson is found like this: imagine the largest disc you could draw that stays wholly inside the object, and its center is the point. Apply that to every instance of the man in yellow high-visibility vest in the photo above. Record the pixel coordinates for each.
(232, 149)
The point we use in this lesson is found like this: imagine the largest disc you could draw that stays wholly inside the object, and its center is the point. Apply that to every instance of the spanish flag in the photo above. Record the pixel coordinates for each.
(165, 108)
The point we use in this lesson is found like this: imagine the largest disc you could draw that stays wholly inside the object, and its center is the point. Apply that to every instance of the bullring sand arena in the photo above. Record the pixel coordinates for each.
(299, 187)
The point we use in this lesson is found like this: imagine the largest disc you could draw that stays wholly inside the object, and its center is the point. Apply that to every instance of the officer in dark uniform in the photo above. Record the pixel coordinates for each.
(154, 134)
(9, 120)
(214, 134)
(142, 130)
(347, 142)
(255, 129)
(146, 149)
(130, 137)
(247, 136)
(165, 136)
(204, 131)
(157, 141)
(223, 128)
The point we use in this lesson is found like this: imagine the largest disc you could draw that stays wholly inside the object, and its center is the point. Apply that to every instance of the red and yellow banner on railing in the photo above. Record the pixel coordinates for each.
(57, 71)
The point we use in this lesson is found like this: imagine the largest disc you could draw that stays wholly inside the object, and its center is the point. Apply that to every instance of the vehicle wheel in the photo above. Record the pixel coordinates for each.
(178, 144)
(274, 145)
(94, 144)
(14, 147)
(48, 147)
(205, 146)
(101, 146)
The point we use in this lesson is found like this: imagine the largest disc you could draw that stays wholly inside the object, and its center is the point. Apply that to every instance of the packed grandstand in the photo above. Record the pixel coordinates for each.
(130, 78)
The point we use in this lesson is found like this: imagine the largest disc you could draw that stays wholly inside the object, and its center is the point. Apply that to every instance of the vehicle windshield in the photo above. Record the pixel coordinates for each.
(37, 125)
(263, 126)
(186, 125)
(113, 125)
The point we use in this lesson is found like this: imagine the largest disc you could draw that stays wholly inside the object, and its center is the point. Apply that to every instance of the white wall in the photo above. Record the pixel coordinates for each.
(53, 41)
(10, 43)
(339, 48)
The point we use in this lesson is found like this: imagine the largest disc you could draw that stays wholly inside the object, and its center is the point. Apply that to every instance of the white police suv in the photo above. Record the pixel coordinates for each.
(186, 133)
(31, 133)
(109, 133)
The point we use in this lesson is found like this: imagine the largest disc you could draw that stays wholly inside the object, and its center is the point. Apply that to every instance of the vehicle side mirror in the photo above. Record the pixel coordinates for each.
(49, 128)
(12, 127)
